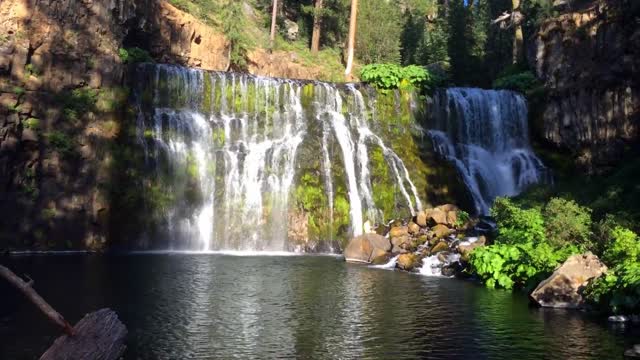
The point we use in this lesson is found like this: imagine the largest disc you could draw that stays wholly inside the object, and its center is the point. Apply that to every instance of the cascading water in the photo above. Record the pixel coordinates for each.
(485, 134)
(225, 148)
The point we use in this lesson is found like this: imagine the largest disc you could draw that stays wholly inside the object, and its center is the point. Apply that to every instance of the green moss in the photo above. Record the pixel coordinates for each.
(206, 100)
(62, 143)
(32, 123)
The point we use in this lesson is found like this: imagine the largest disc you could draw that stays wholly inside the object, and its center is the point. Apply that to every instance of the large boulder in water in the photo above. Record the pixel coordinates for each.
(563, 288)
(407, 262)
(365, 248)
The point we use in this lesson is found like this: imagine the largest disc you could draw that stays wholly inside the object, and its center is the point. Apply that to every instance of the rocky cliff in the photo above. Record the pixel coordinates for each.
(63, 105)
(589, 61)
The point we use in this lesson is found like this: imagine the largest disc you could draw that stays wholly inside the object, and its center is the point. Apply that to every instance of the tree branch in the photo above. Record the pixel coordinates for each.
(27, 289)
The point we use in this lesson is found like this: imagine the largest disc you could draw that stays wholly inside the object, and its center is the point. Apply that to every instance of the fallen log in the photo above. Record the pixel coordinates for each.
(99, 335)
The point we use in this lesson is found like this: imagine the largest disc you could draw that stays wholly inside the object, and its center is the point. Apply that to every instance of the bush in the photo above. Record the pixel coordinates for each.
(391, 76)
(521, 265)
(624, 247)
(62, 143)
(516, 225)
(134, 55)
(566, 223)
(524, 82)
(618, 290)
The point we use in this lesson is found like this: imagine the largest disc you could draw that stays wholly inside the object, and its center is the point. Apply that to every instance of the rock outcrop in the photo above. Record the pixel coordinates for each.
(563, 288)
(365, 248)
(589, 61)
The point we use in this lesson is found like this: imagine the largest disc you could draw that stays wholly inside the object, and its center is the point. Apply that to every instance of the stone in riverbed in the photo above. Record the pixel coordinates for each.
(469, 244)
(398, 231)
(380, 257)
(407, 262)
(413, 228)
(441, 231)
(439, 247)
(365, 247)
(563, 288)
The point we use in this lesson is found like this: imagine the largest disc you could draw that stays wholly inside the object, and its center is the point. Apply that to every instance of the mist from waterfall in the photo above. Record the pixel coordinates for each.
(485, 134)
(228, 144)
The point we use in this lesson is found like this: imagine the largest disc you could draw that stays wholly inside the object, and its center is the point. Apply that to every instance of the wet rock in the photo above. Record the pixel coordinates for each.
(633, 353)
(365, 247)
(439, 247)
(398, 231)
(413, 228)
(563, 288)
(380, 257)
(452, 218)
(399, 243)
(466, 246)
(448, 207)
(421, 218)
(407, 262)
(29, 135)
(441, 231)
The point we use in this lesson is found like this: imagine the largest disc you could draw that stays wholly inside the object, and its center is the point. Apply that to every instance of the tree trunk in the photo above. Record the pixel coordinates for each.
(518, 38)
(352, 38)
(317, 27)
(274, 17)
(99, 335)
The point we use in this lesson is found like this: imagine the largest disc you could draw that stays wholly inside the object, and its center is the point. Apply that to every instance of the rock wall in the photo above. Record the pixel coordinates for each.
(589, 61)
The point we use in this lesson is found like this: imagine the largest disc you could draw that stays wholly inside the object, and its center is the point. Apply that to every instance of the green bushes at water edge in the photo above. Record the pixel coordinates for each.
(532, 242)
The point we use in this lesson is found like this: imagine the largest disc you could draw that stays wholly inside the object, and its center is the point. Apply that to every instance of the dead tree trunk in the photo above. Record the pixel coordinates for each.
(99, 335)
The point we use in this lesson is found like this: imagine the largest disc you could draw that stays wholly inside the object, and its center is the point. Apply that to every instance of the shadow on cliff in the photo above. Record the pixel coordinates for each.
(62, 94)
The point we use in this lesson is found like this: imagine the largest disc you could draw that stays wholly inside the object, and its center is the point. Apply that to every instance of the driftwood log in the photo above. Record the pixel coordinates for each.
(98, 336)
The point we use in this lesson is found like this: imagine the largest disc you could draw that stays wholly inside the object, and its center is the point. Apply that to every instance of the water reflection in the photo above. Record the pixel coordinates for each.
(213, 306)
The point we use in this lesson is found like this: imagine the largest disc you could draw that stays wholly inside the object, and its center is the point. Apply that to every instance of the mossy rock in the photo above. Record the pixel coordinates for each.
(439, 247)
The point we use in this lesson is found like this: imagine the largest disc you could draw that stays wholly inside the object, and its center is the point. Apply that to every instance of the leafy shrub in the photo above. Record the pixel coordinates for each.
(62, 143)
(618, 290)
(32, 124)
(566, 223)
(521, 265)
(624, 247)
(516, 225)
(391, 76)
(134, 55)
(19, 90)
(524, 82)
(463, 218)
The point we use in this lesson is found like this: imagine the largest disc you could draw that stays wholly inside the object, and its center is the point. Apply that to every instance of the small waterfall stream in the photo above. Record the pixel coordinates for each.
(485, 134)
(226, 148)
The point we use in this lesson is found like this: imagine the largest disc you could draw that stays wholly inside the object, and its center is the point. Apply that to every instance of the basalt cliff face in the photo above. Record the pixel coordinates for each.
(67, 119)
(589, 61)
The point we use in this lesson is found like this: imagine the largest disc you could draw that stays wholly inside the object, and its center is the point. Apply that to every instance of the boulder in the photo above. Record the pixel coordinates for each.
(365, 247)
(421, 218)
(469, 244)
(439, 247)
(380, 257)
(563, 288)
(407, 262)
(413, 228)
(452, 218)
(436, 216)
(441, 231)
(448, 207)
(398, 243)
(398, 231)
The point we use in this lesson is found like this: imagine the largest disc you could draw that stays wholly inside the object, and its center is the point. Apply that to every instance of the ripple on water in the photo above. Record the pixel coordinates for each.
(312, 307)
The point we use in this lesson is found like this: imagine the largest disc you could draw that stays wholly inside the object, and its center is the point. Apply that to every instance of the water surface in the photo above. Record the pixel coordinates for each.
(184, 306)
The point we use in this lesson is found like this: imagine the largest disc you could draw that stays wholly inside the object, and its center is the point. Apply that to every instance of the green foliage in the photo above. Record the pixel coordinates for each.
(19, 90)
(233, 25)
(134, 55)
(391, 76)
(463, 218)
(62, 143)
(524, 82)
(517, 225)
(32, 124)
(566, 223)
(619, 289)
(379, 32)
(521, 265)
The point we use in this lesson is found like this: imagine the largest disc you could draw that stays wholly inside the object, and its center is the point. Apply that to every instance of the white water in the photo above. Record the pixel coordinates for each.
(227, 144)
(432, 266)
(389, 265)
(484, 133)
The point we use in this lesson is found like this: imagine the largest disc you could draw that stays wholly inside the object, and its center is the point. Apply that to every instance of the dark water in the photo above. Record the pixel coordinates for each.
(218, 307)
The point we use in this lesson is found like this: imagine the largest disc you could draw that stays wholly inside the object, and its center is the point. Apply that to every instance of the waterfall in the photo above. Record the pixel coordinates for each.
(485, 134)
(223, 156)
